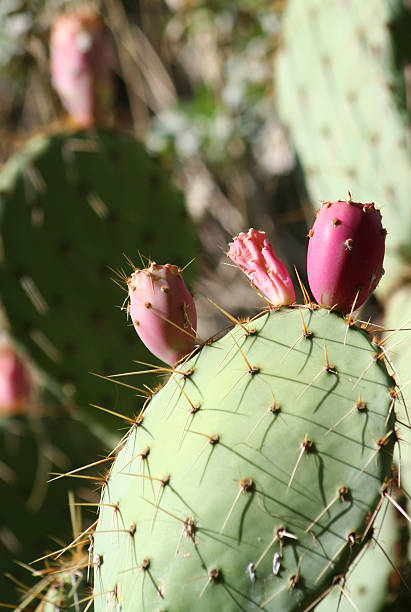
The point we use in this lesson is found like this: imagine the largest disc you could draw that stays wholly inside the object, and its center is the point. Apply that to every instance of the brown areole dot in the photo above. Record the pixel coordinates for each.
(246, 484)
(343, 493)
(132, 529)
(195, 408)
(274, 408)
(145, 453)
(360, 405)
(348, 244)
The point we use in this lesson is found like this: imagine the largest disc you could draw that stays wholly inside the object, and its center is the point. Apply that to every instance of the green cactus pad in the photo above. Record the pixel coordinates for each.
(339, 84)
(367, 585)
(71, 206)
(249, 482)
(34, 514)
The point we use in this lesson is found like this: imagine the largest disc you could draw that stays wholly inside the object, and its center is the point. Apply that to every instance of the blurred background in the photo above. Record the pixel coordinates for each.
(254, 111)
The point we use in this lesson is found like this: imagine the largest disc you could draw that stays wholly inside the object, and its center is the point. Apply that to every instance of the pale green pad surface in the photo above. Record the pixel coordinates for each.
(142, 520)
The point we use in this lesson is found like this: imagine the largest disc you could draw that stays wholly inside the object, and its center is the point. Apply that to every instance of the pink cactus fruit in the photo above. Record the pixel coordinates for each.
(80, 61)
(253, 253)
(345, 254)
(163, 311)
(15, 381)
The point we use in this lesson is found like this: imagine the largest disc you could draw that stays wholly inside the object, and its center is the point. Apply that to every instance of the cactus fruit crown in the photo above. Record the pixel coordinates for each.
(251, 478)
(255, 256)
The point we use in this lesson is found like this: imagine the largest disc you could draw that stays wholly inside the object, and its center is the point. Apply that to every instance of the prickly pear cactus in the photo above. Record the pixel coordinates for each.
(71, 206)
(340, 91)
(251, 479)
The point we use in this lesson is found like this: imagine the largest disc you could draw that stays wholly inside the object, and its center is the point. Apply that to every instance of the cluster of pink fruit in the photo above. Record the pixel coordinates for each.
(344, 265)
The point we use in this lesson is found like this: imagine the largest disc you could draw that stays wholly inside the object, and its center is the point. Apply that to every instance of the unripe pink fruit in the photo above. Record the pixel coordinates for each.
(15, 382)
(253, 253)
(345, 254)
(81, 62)
(163, 311)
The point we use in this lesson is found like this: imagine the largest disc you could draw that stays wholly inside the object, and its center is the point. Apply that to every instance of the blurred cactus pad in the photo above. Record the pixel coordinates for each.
(72, 205)
(340, 86)
(251, 479)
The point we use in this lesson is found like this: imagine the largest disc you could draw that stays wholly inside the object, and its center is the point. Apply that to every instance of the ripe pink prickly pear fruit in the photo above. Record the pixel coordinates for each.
(15, 381)
(345, 253)
(253, 253)
(80, 63)
(163, 311)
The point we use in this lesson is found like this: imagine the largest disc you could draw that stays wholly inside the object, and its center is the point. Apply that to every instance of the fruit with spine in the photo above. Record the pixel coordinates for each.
(163, 311)
(251, 477)
(345, 254)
